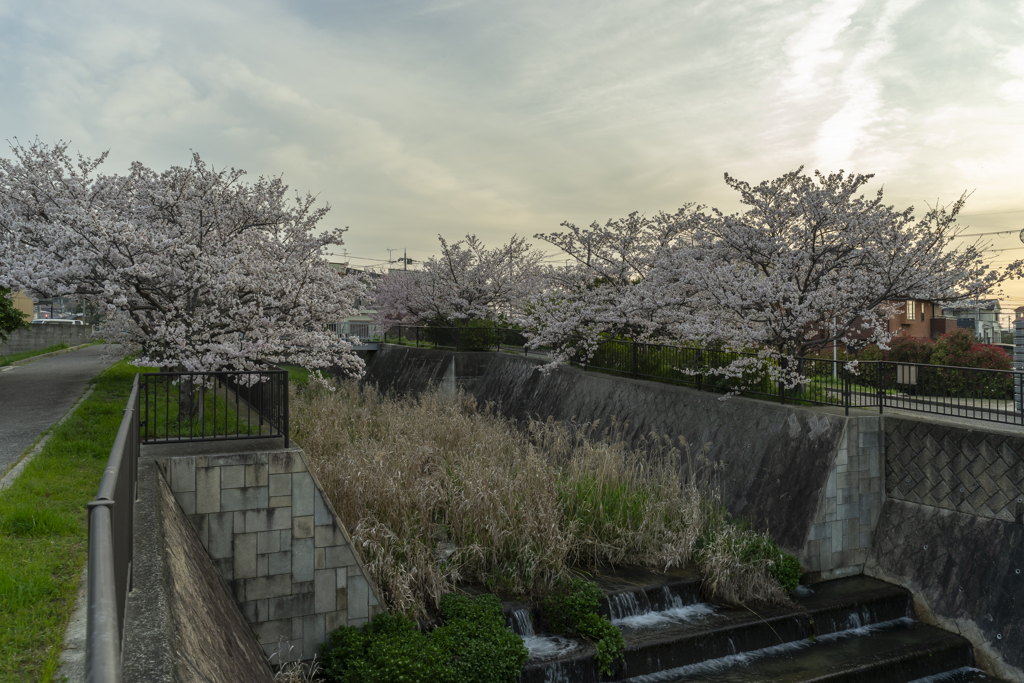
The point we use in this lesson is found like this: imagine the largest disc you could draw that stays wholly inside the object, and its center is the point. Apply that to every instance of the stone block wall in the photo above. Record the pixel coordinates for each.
(842, 534)
(42, 336)
(974, 471)
(276, 541)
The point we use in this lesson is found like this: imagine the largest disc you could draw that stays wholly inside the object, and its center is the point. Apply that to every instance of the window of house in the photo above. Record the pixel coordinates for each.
(910, 311)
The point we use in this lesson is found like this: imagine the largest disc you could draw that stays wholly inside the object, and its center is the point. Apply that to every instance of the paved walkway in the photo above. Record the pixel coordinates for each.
(35, 395)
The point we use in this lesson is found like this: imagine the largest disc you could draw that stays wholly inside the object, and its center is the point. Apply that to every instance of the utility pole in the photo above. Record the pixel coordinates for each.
(389, 255)
(405, 259)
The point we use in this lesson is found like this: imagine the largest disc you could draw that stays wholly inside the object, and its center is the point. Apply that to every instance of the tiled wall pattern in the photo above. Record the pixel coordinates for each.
(277, 543)
(848, 511)
(956, 468)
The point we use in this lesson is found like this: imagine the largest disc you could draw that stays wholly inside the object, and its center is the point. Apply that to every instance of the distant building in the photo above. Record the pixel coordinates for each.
(979, 315)
(23, 303)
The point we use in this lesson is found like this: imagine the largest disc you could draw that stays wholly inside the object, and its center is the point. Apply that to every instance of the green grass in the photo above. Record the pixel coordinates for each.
(14, 357)
(296, 375)
(43, 531)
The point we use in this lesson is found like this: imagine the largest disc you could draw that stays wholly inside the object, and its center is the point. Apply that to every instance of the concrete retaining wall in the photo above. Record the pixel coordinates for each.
(181, 625)
(952, 531)
(276, 541)
(804, 475)
(42, 336)
(966, 573)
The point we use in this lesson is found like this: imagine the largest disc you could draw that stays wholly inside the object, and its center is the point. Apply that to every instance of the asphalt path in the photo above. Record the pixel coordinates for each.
(35, 395)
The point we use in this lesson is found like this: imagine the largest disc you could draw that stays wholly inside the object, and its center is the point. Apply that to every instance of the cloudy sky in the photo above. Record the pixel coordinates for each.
(418, 117)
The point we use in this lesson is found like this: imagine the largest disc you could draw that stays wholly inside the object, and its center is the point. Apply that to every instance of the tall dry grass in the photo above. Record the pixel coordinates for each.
(437, 490)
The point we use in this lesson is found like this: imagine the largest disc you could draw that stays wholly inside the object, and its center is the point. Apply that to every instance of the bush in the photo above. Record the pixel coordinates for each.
(573, 609)
(472, 646)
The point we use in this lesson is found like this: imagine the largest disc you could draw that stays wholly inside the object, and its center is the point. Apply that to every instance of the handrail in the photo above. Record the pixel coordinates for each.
(111, 531)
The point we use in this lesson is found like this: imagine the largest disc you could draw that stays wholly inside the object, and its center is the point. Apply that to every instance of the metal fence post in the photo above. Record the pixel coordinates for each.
(634, 360)
(881, 391)
(782, 381)
(287, 435)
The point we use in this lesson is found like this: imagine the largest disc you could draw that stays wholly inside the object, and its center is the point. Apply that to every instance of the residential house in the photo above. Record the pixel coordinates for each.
(979, 315)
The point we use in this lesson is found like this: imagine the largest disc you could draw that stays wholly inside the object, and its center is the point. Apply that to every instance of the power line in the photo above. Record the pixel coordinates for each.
(992, 213)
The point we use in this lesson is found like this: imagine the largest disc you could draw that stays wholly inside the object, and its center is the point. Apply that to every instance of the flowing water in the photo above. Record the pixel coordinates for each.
(541, 647)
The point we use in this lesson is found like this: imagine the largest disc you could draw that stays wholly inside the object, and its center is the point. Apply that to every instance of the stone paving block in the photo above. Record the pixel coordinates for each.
(358, 597)
(273, 631)
(268, 542)
(261, 564)
(201, 525)
(302, 494)
(319, 559)
(250, 611)
(232, 477)
(256, 475)
(335, 620)
(291, 606)
(252, 498)
(186, 501)
(280, 485)
(339, 556)
(231, 459)
(266, 587)
(244, 556)
(280, 501)
(320, 510)
(325, 589)
(830, 486)
(323, 535)
(285, 462)
(279, 563)
(313, 634)
(302, 559)
(221, 534)
(302, 587)
(225, 567)
(268, 519)
(183, 475)
(208, 490)
(262, 610)
(342, 597)
(297, 627)
(302, 527)
(239, 522)
(342, 577)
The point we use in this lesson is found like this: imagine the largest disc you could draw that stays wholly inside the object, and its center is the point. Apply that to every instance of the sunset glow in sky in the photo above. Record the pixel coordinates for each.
(413, 118)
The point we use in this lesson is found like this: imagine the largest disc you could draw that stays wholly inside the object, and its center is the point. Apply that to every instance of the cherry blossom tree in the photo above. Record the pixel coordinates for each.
(195, 269)
(466, 282)
(808, 262)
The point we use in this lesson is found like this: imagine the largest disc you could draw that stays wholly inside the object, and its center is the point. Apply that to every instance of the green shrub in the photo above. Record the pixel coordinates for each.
(573, 608)
(782, 566)
(472, 646)
(481, 649)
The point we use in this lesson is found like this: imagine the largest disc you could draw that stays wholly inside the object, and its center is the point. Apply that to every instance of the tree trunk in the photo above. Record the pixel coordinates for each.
(191, 392)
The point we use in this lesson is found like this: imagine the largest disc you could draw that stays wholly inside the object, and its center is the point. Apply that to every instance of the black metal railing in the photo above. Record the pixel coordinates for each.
(214, 406)
(974, 393)
(111, 529)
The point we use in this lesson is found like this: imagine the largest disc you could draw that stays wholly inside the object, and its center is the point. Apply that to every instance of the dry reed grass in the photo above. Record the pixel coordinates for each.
(437, 490)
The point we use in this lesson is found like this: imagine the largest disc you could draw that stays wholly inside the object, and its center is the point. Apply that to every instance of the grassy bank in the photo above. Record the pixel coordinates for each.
(43, 530)
(437, 491)
(14, 357)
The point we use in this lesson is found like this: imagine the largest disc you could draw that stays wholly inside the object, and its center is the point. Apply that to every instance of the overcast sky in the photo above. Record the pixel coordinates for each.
(413, 118)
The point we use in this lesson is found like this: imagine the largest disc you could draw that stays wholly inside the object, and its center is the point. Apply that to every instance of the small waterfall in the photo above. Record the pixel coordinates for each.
(521, 623)
(669, 599)
(628, 604)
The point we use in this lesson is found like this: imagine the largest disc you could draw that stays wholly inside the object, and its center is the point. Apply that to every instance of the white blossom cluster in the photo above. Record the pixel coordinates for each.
(808, 262)
(195, 269)
(467, 281)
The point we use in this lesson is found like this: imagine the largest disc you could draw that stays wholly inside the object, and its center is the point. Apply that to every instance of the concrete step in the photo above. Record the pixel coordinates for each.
(654, 644)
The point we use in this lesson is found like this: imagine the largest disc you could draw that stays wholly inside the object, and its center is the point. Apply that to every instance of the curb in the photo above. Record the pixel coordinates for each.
(26, 361)
(11, 475)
